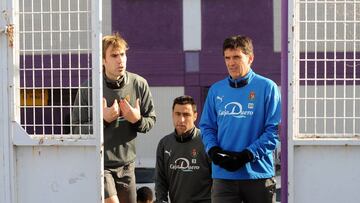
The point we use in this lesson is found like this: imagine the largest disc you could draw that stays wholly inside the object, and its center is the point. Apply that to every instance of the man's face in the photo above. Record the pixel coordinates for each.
(237, 63)
(183, 118)
(115, 62)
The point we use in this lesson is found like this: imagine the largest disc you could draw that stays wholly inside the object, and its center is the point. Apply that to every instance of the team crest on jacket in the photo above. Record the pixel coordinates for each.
(193, 153)
(127, 98)
(252, 95)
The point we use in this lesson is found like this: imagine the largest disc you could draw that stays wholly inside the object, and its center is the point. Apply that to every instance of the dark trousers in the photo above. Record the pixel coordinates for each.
(243, 191)
(121, 182)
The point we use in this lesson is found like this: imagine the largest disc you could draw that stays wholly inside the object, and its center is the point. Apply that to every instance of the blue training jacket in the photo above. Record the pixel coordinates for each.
(243, 118)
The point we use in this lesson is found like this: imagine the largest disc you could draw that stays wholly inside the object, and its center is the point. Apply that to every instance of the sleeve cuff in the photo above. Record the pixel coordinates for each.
(138, 123)
(106, 124)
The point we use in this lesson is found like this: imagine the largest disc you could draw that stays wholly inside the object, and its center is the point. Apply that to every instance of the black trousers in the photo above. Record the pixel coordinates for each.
(245, 191)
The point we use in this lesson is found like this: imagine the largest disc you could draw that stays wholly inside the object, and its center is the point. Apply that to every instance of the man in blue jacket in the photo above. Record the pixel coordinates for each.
(239, 125)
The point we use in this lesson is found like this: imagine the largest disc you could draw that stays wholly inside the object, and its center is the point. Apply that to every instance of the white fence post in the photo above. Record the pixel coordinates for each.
(324, 100)
(7, 56)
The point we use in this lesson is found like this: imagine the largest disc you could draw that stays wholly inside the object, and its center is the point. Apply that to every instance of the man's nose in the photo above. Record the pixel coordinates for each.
(119, 59)
(231, 61)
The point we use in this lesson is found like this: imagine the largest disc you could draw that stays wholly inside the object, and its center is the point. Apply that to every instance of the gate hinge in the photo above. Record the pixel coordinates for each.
(8, 30)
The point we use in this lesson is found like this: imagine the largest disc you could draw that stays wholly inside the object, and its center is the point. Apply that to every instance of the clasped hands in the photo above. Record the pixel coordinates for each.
(121, 108)
(230, 160)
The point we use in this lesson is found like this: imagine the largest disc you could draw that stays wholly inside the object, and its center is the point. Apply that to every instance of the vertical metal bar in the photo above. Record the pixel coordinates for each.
(6, 188)
(15, 73)
(9, 58)
(51, 68)
(325, 68)
(96, 15)
(61, 50)
(69, 64)
(62, 63)
(306, 69)
(33, 67)
(22, 52)
(354, 71)
(42, 67)
(335, 72)
(315, 66)
(344, 67)
(90, 11)
(284, 98)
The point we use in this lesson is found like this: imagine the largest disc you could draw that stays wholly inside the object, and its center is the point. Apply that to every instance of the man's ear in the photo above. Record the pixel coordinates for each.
(195, 116)
(251, 59)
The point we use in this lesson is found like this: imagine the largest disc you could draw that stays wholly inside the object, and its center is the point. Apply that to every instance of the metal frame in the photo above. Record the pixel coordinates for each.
(7, 58)
(291, 85)
(294, 139)
(21, 137)
(13, 134)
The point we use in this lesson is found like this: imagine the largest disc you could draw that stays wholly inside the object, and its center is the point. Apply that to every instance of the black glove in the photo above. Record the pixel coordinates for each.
(217, 155)
(236, 160)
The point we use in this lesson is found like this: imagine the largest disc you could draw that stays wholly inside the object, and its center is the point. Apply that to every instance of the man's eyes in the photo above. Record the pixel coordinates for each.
(234, 58)
(180, 114)
(116, 55)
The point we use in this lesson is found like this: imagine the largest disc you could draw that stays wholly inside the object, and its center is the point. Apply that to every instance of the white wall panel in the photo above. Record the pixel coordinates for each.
(326, 173)
(146, 143)
(192, 25)
(60, 175)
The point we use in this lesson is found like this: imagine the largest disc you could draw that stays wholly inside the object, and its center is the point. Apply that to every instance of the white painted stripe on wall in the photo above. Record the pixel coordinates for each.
(277, 25)
(192, 25)
(107, 21)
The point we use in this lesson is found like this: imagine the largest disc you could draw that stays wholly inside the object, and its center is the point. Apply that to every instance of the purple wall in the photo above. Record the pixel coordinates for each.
(153, 30)
(221, 19)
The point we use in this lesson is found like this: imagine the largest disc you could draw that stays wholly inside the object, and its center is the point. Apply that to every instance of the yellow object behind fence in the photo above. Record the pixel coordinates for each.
(34, 97)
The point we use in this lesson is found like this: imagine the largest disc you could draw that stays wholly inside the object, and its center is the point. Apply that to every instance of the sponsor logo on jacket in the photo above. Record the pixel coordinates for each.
(184, 165)
(234, 109)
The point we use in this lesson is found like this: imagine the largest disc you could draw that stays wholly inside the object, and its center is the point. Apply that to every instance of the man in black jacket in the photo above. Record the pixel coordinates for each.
(183, 170)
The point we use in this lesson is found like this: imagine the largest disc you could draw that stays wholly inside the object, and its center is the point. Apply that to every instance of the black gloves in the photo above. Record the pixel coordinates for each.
(230, 160)
(236, 160)
(217, 155)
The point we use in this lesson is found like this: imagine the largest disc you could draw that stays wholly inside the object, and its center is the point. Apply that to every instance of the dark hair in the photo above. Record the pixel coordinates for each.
(182, 100)
(239, 41)
(144, 194)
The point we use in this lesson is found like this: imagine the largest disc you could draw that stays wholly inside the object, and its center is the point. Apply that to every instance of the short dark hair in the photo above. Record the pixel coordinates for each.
(239, 41)
(144, 194)
(185, 99)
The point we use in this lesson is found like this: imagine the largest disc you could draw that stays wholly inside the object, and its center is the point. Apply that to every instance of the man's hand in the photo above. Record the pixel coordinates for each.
(229, 160)
(217, 155)
(236, 160)
(110, 113)
(131, 114)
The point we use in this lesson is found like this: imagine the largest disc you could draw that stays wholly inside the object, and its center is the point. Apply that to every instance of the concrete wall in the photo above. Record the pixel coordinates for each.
(326, 173)
(146, 143)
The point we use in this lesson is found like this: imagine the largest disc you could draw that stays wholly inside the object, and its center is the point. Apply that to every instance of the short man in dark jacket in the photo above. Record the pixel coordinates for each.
(183, 170)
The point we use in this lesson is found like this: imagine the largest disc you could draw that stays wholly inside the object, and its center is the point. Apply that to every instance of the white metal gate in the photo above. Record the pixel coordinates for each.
(324, 101)
(54, 49)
